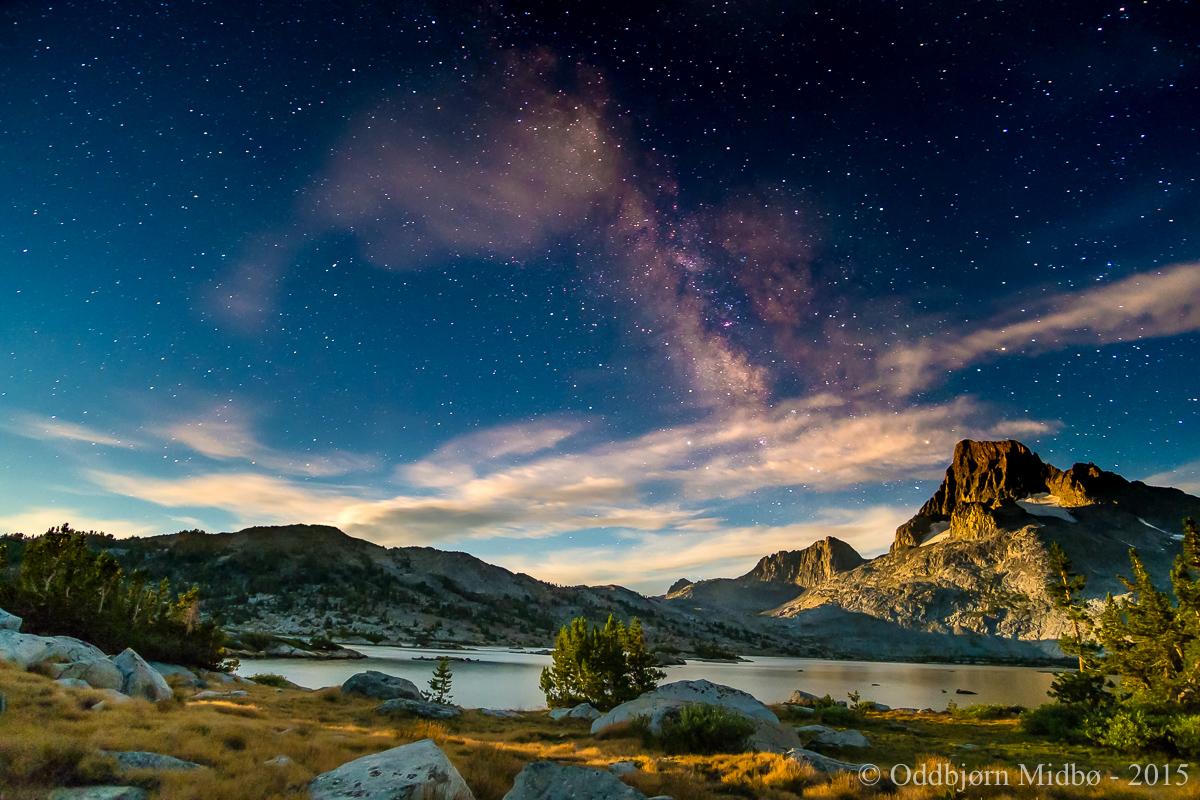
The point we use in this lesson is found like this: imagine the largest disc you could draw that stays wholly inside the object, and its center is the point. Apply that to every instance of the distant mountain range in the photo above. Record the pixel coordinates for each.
(963, 579)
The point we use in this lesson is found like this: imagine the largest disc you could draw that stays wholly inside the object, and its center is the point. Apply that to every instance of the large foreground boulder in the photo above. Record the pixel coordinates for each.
(381, 686)
(9, 622)
(667, 702)
(402, 706)
(26, 649)
(682, 693)
(546, 780)
(99, 673)
(417, 771)
(139, 679)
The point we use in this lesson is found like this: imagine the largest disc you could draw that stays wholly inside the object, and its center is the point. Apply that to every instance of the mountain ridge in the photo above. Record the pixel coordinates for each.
(964, 578)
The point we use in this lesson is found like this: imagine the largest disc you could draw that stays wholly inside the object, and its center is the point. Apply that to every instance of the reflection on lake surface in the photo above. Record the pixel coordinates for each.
(498, 678)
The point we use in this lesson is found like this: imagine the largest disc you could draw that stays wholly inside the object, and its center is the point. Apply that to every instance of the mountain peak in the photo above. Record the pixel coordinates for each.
(988, 477)
(814, 564)
(678, 585)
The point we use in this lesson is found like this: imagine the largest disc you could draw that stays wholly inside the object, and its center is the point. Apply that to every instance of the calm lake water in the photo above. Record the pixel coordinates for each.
(499, 678)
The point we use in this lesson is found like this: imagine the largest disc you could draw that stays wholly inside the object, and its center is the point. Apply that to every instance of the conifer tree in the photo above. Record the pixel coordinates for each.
(440, 683)
(1152, 642)
(604, 666)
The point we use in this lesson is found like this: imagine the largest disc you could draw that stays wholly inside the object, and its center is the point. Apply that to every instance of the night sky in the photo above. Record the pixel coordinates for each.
(600, 295)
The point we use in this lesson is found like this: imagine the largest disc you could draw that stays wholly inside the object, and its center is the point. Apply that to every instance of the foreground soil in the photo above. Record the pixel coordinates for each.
(49, 737)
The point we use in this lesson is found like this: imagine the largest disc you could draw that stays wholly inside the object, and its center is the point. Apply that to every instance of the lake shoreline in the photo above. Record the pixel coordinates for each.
(507, 678)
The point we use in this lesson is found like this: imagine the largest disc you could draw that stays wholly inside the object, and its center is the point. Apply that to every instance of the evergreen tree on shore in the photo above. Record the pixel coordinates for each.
(604, 666)
(440, 683)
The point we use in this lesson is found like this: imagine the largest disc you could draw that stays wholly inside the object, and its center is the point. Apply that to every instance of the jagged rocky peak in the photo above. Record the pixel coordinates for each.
(987, 473)
(679, 585)
(986, 479)
(811, 566)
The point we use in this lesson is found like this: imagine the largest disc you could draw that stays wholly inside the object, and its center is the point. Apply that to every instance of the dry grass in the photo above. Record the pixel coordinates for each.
(49, 738)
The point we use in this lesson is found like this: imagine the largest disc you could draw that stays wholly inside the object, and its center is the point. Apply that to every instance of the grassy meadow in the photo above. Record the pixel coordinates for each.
(49, 737)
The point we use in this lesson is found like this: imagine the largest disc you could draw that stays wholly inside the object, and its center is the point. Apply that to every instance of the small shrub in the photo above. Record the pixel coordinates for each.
(1184, 733)
(234, 741)
(271, 679)
(1060, 721)
(706, 729)
(988, 711)
(837, 715)
(1130, 729)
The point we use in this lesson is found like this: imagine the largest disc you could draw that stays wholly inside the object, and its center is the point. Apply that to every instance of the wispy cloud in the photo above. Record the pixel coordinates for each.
(49, 429)
(1146, 305)
(529, 481)
(227, 434)
(1185, 477)
(249, 496)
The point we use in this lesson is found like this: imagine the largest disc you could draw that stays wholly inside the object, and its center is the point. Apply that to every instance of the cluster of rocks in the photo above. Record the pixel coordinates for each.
(421, 769)
(75, 663)
(78, 665)
(400, 696)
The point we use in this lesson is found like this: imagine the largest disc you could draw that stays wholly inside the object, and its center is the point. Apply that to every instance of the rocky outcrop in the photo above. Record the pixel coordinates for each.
(139, 679)
(822, 736)
(100, 793)
(581, 711)
(682, 583)
(9, 622)
(26, 649)
(381, 686)
(143, 759)
(813, 565)
(402, 706)
(212, 694)
(546, 780)
(821, 763)
(417, 771)
(178, 674)
(99, 673)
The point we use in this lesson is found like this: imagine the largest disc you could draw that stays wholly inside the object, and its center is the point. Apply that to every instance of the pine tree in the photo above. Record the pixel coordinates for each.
(1152, 642)
(604, 666)
(1065, 588)
(439, 684)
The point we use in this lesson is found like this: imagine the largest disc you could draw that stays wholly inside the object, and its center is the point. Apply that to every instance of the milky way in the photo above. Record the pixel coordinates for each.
(598, 295)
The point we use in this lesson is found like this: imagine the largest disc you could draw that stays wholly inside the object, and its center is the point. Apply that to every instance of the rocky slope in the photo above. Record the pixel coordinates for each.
(973, 558)
(775, 579)
(313, 580)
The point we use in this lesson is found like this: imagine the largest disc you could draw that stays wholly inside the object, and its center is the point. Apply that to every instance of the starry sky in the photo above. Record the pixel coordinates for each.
(601, 295)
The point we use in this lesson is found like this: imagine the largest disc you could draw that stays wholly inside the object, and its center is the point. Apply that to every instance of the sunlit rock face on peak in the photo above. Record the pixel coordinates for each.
(993, 485)
(815, 564)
